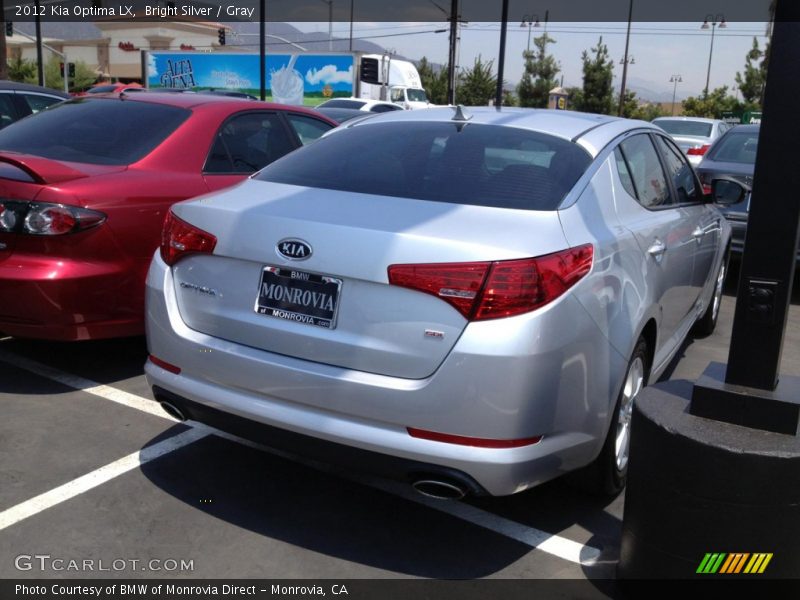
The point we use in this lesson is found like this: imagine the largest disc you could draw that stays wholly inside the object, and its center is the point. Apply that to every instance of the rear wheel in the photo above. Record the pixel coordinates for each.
(609, 471)
(707, 323)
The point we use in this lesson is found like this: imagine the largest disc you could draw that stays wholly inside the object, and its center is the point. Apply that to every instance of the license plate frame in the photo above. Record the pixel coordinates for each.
(299, 296)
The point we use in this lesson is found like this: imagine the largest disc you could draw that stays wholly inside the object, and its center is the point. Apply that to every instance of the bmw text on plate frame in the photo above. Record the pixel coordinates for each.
(559, 258)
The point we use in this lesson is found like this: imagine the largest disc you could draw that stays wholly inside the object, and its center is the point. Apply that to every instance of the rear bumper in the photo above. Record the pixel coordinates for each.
(558, 385)
(66, 299)
(407, 471)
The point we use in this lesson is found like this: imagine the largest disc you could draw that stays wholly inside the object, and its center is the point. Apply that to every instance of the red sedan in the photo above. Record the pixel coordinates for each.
(84, 188)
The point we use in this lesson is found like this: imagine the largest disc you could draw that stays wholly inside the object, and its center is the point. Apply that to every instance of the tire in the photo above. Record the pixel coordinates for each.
(708, 322)
(608, 473)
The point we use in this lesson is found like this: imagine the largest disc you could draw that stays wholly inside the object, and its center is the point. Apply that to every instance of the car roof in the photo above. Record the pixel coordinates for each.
(696, 119)
(746, 128)
(192, 101)
(569, 125)
(5, 84)
(185, 100)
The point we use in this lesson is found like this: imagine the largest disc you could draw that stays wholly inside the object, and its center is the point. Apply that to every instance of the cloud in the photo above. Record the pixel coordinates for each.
(329, 74)
(152, 68)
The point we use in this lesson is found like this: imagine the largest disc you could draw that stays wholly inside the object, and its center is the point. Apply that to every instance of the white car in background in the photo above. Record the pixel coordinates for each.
(376, 106)
(694, 135)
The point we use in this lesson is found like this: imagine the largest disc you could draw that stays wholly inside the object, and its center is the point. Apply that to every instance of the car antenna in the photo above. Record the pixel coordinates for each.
(460, 114)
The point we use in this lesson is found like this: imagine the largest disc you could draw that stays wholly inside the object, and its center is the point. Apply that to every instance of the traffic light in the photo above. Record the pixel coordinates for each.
(9, 28)
(221, 36)
(70, 69)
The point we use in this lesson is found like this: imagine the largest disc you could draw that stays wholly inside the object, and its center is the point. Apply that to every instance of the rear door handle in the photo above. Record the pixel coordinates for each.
(657, 249)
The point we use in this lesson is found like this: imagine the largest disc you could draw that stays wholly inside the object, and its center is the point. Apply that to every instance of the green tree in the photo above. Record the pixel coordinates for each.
(647, 111)
(433, 82)
(751, 82)
(575, 98)
(477, 85)
(84, 76)
(630, 106)
(21, 69)
(598, 95)
(713, 105)
(540, 74)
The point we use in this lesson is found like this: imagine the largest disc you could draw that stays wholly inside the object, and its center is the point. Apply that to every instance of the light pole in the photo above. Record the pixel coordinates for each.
(330, 23)
(529, 21)
(718, 19)
(675, 79)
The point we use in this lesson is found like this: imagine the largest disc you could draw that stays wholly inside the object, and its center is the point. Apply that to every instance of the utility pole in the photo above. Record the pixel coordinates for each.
(451, 61)
(498, 99)
(625, 61)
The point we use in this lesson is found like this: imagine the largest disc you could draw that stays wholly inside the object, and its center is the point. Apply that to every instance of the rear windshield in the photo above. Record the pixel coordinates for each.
(101, 89)
(690, 128)
(343, 104)
(100, 132)
(484, 165)
(736, 147)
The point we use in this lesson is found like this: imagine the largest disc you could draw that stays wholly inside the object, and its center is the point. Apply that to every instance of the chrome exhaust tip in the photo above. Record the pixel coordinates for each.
(440, 490)
(172, 410)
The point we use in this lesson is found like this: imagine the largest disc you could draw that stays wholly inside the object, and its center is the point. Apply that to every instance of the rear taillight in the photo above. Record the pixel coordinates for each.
(43, 218)
(462, 440)
(491, 290)
(699, 151)
(179, 238)
(164, 364)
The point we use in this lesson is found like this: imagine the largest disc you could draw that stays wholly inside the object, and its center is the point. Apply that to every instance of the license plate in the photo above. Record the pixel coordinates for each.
(298, 296)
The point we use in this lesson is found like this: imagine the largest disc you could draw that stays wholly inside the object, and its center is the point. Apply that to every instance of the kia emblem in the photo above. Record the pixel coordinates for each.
(293, 249)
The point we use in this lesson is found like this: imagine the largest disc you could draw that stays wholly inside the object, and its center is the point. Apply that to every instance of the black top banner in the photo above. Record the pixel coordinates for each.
(384, 11)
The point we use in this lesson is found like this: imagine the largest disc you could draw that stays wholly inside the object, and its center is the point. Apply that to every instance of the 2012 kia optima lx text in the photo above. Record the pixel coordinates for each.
(468, 299)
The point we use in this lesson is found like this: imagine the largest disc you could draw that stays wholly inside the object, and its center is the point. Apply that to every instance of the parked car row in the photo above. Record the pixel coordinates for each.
(467, 299)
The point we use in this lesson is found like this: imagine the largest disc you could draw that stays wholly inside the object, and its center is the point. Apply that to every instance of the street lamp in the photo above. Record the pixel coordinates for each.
(674, 79)
(716, 20)
(533, 21)
(330, 22)
(529, 21)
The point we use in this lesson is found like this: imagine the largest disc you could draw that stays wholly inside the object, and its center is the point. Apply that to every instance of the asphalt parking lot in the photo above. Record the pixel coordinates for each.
(92, 470)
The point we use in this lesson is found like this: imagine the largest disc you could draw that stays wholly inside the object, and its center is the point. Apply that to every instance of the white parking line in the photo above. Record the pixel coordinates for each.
(85, 385)
(530, 536)
(97, 477)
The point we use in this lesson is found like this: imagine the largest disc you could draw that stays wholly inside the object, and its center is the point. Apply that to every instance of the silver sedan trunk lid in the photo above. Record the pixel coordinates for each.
(341, 244)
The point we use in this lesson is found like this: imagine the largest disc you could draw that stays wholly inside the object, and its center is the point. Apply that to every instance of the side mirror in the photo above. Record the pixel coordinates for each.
(728, 191)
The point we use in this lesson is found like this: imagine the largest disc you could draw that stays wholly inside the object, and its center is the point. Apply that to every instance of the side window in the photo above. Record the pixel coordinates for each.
(624, 173)
(7, 112)
(396, 95)
(646, 172)
(380, 108)
(247, 142)
(307, 129)
(679, 171)
(38, 102)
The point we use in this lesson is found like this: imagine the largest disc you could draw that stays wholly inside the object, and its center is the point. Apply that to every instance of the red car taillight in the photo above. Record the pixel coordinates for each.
(699, 151)
(491, 290)
(179, 238)
(43, 218)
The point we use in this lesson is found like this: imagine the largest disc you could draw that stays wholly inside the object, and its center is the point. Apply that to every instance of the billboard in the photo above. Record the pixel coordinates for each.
(299, 79)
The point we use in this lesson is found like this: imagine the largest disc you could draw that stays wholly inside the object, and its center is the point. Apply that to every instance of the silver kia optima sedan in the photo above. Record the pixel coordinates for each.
(467, 299)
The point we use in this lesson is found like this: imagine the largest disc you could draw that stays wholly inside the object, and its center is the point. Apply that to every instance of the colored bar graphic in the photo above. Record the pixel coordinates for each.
(733, 563)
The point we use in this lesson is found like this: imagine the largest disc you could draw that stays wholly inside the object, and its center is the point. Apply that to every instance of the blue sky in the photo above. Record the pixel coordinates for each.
(660, 50)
